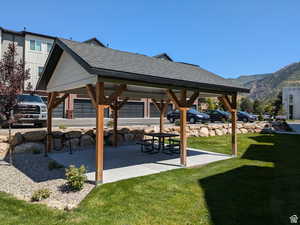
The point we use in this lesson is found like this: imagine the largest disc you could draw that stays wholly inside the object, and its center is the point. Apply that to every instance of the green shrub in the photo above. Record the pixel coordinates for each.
(177, 123)
(54, 165)
(40, 195)
(62, 126)
(36, 151)
(110, 123)
(75, 177)
(260, 117)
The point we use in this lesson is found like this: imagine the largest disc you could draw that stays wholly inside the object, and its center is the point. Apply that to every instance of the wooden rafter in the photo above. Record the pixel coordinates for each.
(59, 101)
(114, 96)
(92, 94)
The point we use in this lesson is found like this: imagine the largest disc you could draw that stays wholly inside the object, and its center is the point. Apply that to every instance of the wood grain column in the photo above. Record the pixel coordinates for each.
(183, 138)
(115, 123)
(234, 125)
(49, 123)
(99, 143)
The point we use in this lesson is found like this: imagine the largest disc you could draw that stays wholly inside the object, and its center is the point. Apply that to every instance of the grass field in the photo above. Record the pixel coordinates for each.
(261, 186)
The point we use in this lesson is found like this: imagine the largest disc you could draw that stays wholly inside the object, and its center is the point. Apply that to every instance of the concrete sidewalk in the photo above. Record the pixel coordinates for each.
(128, 161)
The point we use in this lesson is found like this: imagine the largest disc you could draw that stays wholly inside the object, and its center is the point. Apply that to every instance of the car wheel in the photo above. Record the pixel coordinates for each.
(245, 120)
(171, 120)
(192, 120)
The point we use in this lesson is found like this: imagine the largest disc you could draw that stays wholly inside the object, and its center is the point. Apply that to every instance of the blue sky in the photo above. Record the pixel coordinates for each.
(230, 38)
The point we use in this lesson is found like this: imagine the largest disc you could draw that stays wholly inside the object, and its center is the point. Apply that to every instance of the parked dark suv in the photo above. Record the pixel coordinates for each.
(246, 117)
(193, 116)
(218, 115)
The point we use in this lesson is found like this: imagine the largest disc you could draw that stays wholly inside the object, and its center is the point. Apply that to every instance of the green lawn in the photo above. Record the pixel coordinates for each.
(262, 186)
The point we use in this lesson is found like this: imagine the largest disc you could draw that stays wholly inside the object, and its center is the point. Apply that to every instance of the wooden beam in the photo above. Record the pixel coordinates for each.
(173, 98)
(51, 99)
(114, 96)
(49, 125)
(100, 97)
(99, 144)
(183, 101)
(192, 99)
(234, 125)
(225, 103)
(91, 93)
(183, 138)
(59, 100)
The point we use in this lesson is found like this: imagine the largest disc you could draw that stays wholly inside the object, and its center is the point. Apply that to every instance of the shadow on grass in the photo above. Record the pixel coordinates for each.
(257, 194)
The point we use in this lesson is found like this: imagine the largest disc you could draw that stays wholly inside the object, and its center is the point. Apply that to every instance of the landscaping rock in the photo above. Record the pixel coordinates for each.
(212, 133)
(219, 132)
(4, 148)
(57, 134)
(35, 136)
(17, 139)
(29, 147)
(91, 133)
(204, 132)
(244, 131)
(57, 144)
(74, 142)
(3, 138)
(120, 139)
(73, 134)
(86, 140)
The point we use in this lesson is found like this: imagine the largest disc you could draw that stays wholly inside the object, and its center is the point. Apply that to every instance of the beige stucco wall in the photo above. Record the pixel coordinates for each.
(35, 59)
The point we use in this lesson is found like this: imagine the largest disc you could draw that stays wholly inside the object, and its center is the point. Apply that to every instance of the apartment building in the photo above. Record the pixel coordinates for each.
(34, 48)
(291, 102)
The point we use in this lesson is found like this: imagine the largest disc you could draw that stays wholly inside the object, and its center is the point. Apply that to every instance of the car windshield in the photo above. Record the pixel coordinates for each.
(245, 113)
(222, 112)
(29, 98)
(194, 111)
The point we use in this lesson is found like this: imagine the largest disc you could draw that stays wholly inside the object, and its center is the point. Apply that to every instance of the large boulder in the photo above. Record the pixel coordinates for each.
(72, 134)
(74, 143)
(120, 139)
(219, 132)
(57, 143)
(4, 148)
(3, 138)
(57, 134)
(29, 147)
(91, 133)
(204, 132)
(17, 139)
(244, 130)
(35, 136)
(212, 133)
(86, 140)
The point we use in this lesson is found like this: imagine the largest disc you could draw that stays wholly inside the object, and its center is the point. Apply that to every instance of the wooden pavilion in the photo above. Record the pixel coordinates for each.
(111, 77)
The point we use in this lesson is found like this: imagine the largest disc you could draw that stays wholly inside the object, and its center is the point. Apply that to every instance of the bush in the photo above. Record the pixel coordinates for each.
(260, 117)
(40, 195)
(36, 151)
(177, 123)
(75, 177)
(110, 123)
(62, 126)
(54, 165)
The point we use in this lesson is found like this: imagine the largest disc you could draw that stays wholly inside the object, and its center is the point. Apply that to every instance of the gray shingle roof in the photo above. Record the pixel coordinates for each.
(144, 68)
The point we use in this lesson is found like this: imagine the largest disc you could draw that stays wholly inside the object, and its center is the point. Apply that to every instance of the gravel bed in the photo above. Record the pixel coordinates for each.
(30, 172)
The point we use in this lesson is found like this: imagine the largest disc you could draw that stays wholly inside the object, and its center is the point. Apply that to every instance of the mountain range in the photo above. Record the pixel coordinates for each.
(267, 86)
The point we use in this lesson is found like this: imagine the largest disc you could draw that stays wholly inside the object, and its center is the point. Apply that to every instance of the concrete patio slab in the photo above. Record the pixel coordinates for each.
(128, 161)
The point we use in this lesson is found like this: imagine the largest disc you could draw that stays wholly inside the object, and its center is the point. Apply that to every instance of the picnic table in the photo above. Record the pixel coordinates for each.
(161, 138)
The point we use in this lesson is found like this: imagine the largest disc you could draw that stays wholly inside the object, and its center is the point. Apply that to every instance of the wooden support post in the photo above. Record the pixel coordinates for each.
(100, 101)
(49, 123)
(231, 106)
(183, 138)
(162, 108)
(183, 105)
(115, 123)
(233, 125)
(99, 143)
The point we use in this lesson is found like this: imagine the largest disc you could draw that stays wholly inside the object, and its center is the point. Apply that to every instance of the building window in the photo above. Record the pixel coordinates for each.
(40, 70)
(35, 45)
(49, 46)
(291, 99)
